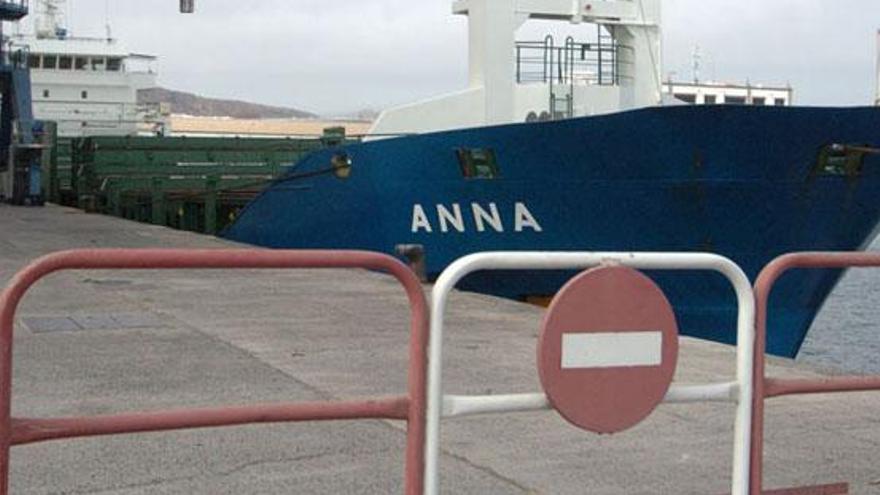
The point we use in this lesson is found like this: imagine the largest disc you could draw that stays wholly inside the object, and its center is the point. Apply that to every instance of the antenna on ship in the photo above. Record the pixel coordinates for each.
(697, 63)
(50, 22)
(107, 20)
(877, 94)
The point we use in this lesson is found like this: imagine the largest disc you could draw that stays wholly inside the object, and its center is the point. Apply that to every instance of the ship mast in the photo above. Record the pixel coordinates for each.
(877, 94)
(51, 20)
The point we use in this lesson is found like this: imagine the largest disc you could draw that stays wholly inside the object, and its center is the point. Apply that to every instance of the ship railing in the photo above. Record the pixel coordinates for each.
(16, 57)
(574, 62)
(736, 391)
(770, 388)
(409, 408)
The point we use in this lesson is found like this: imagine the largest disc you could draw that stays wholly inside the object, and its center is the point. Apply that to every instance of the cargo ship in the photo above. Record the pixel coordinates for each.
(87, 85)
(585, 152)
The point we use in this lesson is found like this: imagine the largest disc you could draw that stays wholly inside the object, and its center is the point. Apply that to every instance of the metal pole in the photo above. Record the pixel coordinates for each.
(599, 50)
(877, 94)
(518, 64)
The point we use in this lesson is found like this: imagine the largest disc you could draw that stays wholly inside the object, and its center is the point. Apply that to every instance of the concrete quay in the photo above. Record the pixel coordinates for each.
(100, 342)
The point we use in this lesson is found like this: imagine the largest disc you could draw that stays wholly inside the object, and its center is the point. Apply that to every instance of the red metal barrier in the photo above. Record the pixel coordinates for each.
(771, 387)
(411, 407)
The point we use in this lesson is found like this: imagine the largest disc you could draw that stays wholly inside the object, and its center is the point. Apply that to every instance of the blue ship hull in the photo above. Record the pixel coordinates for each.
(748, 183)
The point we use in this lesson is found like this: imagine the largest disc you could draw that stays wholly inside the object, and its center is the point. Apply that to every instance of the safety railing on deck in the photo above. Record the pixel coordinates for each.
(410, 407)
(768, 388)
(574, 62)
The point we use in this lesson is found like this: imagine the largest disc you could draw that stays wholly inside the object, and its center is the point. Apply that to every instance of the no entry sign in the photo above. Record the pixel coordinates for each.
(608, 349)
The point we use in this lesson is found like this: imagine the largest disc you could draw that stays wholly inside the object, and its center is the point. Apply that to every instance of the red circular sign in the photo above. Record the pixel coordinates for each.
(608, 349)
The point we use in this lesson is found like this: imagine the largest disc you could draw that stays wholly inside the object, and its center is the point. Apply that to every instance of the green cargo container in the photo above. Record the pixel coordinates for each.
(61, 177)
(189, 183)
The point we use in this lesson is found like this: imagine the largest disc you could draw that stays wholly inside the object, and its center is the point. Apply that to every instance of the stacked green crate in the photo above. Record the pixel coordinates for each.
(63, 186)
(189, 183)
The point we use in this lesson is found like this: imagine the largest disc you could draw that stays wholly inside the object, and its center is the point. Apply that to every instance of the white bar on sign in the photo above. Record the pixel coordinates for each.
(611, 350)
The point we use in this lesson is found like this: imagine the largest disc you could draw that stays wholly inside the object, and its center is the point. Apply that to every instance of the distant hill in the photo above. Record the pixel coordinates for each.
(191, 104)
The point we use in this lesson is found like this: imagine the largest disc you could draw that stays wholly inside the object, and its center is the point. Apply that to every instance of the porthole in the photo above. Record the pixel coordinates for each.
(478, 163)
(842, 160)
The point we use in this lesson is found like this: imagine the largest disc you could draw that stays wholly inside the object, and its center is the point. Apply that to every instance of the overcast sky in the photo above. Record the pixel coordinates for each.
(338, 56)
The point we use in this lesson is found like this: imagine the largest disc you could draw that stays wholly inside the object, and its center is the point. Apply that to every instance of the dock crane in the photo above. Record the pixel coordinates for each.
(19, 153)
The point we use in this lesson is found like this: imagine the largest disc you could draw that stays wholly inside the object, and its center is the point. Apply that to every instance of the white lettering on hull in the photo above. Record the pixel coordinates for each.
(447, 217)
(492, 217)
(420, 220)
(524, 219)
(452, 219)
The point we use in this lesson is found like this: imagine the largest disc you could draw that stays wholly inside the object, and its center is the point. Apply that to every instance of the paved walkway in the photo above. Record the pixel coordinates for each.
(103, 342)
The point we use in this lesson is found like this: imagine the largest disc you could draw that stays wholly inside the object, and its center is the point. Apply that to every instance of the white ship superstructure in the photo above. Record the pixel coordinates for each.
(718, 93)
(519, 81)
(87, 85)
(614, 65)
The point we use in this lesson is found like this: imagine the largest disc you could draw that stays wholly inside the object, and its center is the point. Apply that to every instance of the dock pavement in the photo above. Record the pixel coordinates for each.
(100, 342)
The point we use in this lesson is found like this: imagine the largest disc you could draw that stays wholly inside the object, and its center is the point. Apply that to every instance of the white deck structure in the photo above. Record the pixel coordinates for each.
(618, 70)
(87, 85)
(716, 93)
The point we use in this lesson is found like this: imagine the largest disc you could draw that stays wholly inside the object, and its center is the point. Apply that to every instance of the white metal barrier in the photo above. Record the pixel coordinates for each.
(738, 391)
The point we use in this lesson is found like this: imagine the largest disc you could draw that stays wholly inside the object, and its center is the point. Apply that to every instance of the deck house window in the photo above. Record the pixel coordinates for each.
(758, 101)
(687, 98)
(81, 63)
(114, 64)
(98, 64)
(709, 99)
(65, 62)
(50, 62)
(735, 100)
(779, 102)
(45, 93)
(34, 61)
(85, 95)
